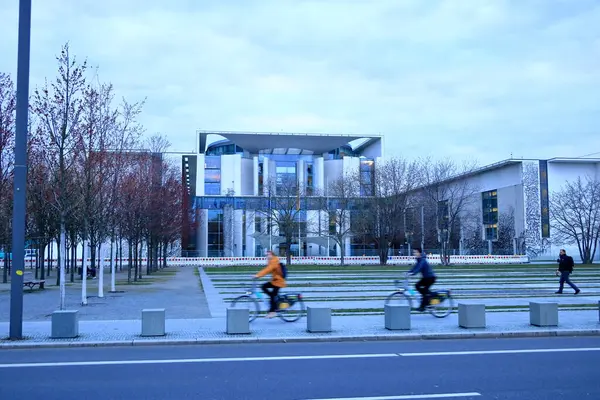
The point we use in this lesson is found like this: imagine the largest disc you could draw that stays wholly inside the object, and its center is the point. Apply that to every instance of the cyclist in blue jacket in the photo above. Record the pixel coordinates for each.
(427, 279)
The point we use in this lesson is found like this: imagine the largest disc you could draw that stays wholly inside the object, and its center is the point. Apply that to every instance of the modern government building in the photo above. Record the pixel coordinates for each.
(227, 179)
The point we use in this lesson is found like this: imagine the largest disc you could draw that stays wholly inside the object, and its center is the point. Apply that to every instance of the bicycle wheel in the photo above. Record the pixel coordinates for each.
(444, 307)
(248, 302)
(399, 298)
(294, 312)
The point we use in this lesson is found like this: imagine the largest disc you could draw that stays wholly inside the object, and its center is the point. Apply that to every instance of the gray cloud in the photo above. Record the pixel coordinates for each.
(472, 78)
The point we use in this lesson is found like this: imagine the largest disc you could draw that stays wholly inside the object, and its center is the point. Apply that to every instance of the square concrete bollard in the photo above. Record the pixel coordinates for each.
(153, 322)
(238, 321)
(397, 317)
(318, 319)
(65, 324)
(543, 314)
(471, 315)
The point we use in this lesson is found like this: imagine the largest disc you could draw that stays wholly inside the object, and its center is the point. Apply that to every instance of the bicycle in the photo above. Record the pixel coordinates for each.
(290, 307)
(440, 305)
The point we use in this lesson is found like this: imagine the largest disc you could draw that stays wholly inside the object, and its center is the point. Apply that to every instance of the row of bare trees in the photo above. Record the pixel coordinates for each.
(89, 184)
(420, 203)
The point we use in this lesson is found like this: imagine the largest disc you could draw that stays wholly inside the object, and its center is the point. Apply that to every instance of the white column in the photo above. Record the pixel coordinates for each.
(101, 272)
(266, 172)
(250, 230)
(238, 233)
(202, 233)
(255, 176)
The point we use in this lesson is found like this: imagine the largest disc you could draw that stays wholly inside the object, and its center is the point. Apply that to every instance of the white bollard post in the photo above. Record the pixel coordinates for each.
(101, 277)
(83, 275)
(112, 269)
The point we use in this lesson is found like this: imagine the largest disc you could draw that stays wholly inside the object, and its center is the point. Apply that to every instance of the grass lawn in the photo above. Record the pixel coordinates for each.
(393, 268)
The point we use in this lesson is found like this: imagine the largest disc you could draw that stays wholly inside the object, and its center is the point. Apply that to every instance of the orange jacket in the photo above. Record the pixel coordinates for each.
(274, 269)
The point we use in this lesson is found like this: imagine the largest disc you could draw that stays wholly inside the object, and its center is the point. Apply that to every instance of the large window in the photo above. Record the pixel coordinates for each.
(212, 175)
(286, 175)
(367, 177)
(489, 206)
(216, 238)
(309, 179)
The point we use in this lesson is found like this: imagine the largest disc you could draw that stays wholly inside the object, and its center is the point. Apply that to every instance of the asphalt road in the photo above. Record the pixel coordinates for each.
(525, 369)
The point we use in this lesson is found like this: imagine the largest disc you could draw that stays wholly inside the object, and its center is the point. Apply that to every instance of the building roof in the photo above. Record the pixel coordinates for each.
(317, 143)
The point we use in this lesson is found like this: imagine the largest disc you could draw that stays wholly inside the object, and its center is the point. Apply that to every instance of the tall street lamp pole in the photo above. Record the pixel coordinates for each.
(20, 172)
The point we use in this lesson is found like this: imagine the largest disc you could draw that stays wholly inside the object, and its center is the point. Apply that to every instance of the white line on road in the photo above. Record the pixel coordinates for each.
(287, 358)
(484, 352)
(409, 396)
(194, 360)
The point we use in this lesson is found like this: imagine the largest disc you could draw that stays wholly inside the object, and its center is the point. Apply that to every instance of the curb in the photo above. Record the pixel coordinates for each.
(328, 338)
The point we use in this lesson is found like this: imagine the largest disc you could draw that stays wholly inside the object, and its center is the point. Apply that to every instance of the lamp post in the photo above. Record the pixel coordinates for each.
(20, 172)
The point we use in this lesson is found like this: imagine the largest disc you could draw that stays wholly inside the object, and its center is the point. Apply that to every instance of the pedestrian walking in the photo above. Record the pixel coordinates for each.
(565, 269)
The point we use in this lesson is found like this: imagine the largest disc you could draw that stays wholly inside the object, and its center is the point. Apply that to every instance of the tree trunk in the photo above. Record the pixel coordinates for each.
(342, 250)
(84, 273)
(135, 261)
(42, 256)
(51, 257)
(149, 255)
(6, 266)
(141, 251)
(129, 263)
(121, 254)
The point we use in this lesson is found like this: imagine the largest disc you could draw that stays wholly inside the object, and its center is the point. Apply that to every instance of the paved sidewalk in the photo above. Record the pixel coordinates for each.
(212, 331)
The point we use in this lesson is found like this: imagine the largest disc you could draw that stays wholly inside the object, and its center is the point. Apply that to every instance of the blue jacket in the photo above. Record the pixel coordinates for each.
(423, 267)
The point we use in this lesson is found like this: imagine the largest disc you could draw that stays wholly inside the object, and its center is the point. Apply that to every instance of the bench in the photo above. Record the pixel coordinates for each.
(31, 284)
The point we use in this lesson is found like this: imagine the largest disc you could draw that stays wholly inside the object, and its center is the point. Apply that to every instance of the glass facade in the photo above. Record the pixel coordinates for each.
(544, 199)
(212, 175)
(216, 237)
(489, 206)
(367, 177)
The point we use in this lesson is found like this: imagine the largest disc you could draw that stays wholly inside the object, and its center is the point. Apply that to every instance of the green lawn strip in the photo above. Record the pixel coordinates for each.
(568, 307)
(457, 297)
(368, 284)
(379, 268)
(507, 278)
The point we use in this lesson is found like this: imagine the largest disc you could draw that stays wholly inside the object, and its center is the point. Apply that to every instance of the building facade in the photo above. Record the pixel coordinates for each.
(233, 174)
(516, 194)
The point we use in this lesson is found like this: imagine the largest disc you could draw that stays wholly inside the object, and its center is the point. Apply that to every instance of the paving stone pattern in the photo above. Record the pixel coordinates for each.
(176, 289)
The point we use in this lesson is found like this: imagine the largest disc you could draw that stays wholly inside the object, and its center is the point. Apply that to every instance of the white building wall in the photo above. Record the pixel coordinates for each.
(300, 169)
(351, 166)
(200, 175)
(559, 173)
(231, 173)
(247, 177)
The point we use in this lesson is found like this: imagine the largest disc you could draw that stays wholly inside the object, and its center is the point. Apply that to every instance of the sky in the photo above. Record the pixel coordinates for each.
(468, 79)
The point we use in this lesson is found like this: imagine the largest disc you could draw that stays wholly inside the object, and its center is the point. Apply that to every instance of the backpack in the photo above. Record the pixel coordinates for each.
(283, 270)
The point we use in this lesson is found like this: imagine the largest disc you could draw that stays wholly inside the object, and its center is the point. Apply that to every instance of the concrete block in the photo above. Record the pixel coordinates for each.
(238, 321)
(543, 314)
(397, 317)
(65, 324)
(153, 322)
(471, 315)
(318, 319)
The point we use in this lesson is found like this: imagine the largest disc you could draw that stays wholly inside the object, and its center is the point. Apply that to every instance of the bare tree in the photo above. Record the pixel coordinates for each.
(447, 190)
(381, 216)
(338, 206)
(284, 211)
(59, 108)
(575, 212)
(7, 137)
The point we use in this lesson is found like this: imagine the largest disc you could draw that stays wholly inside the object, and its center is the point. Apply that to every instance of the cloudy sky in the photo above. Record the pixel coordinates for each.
(462, 78)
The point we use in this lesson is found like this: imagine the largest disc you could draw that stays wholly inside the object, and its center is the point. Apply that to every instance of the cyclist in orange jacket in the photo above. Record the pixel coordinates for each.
(277, 281)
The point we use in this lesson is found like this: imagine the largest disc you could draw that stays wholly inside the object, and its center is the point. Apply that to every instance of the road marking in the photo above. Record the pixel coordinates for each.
(195, 360)
(484, 352)
(287, 358)
(409, 396)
